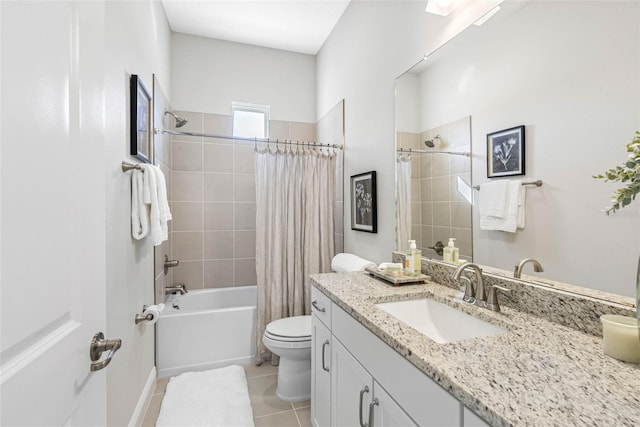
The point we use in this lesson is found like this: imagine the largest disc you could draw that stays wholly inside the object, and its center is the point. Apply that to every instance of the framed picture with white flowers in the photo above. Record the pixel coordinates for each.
(364, 209)
(505, 152)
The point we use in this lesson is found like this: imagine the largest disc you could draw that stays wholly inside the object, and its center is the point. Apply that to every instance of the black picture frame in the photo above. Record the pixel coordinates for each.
(140, 126)
(364, 205)
(505, 152)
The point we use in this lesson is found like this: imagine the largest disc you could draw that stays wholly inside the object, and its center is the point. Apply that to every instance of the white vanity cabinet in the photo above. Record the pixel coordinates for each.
(357, 399)
(320, 359)
(398, 392)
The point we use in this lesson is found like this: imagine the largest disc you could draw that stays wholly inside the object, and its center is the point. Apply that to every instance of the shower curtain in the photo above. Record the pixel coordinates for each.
(403, 202)
(295, 193)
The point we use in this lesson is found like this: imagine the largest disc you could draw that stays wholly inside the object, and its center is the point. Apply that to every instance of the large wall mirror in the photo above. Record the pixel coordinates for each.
(570, 73)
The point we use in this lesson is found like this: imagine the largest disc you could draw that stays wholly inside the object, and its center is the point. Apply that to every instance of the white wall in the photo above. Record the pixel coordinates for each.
(207, 75)
(372, 44)
(138, 42)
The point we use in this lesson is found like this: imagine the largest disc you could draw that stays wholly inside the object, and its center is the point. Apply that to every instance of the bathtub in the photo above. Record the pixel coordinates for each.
(206, 329)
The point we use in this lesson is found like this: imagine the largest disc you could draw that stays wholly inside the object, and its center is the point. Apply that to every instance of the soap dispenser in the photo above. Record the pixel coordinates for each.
(451, 254)
(414, 257)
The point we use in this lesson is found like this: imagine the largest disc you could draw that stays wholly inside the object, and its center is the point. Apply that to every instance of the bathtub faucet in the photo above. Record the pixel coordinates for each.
(176, 289)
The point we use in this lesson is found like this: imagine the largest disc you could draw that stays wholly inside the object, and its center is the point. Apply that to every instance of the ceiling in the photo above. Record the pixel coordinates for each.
(294, 25)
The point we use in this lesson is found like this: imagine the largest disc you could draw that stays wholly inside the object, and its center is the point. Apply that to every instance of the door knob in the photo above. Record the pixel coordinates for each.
(98, 346)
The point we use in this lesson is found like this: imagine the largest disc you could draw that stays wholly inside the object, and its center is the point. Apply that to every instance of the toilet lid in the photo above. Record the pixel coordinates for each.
(290, 327)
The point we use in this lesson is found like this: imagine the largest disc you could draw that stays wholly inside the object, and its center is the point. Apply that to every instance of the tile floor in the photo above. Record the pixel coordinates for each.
(268, 410)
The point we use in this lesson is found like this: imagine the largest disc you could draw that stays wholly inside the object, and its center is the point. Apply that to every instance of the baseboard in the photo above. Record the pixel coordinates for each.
(145, 399)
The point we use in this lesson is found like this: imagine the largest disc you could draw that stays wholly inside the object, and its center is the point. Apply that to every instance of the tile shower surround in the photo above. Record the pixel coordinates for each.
(213, 201)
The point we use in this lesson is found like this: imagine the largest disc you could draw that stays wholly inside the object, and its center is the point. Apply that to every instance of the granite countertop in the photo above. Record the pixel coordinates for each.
(537, 373)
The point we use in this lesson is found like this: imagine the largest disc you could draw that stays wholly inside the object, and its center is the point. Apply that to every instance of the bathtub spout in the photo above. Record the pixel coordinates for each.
(176, 289)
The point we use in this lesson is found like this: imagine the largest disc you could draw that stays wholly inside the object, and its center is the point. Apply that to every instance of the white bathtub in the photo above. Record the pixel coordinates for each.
(212, 328)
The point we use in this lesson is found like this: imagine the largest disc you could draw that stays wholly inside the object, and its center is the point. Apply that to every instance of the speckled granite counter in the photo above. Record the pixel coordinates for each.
(537, 373)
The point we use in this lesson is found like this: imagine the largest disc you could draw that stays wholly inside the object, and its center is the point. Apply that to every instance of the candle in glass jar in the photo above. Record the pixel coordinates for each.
(621, 337)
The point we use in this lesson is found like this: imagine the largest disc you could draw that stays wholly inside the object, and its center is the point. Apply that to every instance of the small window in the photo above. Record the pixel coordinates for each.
(250, 120)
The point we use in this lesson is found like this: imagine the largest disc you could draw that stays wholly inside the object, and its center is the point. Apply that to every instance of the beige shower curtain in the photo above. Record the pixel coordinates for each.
(295, 193)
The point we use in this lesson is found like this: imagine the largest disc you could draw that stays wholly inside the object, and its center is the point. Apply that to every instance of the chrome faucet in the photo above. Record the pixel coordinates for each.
(176, 289)
(537, 267)
(478, 297)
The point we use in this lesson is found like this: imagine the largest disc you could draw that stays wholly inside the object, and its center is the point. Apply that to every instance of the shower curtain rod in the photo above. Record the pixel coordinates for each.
(254, 140)
(453, 153)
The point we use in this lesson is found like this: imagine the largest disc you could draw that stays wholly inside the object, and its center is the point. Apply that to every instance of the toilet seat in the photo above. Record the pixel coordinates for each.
(290, 329)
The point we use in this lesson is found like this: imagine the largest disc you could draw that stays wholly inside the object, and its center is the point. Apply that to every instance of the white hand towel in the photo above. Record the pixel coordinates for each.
(514, 213)
(151, 198)
(139, 218)
(521, 205)
(163, 203)
(493, 199)
(344, 262)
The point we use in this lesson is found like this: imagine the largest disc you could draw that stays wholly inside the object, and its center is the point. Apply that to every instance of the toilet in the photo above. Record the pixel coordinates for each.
(290, 338)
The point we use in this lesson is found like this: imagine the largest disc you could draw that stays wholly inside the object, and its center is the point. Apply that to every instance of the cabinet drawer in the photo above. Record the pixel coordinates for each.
(321, 306)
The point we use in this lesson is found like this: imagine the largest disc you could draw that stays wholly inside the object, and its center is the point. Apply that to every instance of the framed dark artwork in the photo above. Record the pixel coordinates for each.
(364, 208)
(505, 152)
(140, 120)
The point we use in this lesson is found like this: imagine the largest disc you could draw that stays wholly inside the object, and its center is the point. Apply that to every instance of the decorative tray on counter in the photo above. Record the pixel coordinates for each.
(397, 279)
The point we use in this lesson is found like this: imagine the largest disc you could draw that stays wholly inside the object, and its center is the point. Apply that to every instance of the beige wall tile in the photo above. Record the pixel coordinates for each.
(218, 187)
(426, 168)
(189, 273)
(426, 213)
(218, 124)
(416, 162)
(416, 215)
(244, 188)
(303, 132)
(338, 216)
(245, 272)
(441, 214)
(187, 246)
(460, 215)
(279, 130)
(425, 189)
(463, 241)
(427, 240)
(244, 244)
(218, 216)
(218, 273)
(416, 234)
(218, 158)
(187, 216)
(415, 190)
(440, 189)
(244, 216)
(167, 177)
(218, 244)
(441, 234)
(440, 164)
(186, 156)
(243, 161)
(460, 164)
(186, 186)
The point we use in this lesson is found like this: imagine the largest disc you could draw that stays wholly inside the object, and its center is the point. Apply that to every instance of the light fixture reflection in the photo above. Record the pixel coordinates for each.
(487, 16)
(442, 7)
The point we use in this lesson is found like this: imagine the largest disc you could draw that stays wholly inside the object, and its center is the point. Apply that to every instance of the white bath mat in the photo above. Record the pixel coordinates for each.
(218, 397)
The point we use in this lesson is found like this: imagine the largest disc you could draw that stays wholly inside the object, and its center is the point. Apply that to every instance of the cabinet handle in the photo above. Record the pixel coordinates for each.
(324, 344)
(371, 406)
(317, 307)
(362, 392)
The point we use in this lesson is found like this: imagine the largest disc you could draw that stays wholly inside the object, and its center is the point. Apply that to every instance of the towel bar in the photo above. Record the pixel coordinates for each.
(537, 183)
(126, 166)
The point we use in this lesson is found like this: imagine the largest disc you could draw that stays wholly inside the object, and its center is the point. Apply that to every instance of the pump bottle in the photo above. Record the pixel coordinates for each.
(451, 254)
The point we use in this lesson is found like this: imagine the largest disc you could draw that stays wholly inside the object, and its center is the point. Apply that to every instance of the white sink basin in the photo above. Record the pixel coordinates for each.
(438, 321)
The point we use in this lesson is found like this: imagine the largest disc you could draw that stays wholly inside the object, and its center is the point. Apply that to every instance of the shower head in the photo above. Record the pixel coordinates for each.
(179, 120)
(431, 143)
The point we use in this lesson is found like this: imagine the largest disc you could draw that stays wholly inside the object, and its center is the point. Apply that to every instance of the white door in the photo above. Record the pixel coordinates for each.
(52, 212)
(320, 374)
(351, 388)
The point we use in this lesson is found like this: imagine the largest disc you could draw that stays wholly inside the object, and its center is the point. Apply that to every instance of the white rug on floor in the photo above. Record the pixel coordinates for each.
(219, 397)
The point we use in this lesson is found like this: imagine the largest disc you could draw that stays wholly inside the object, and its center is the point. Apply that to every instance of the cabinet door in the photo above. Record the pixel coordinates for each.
(351, 388)
(320, 374)
(385, 412)
(472, 420)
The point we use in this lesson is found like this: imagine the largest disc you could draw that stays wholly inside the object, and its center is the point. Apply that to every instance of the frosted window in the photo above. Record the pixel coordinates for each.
(250, 121)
